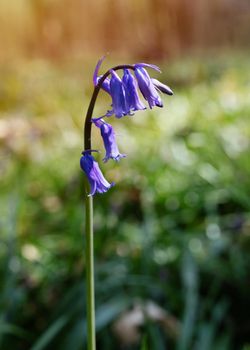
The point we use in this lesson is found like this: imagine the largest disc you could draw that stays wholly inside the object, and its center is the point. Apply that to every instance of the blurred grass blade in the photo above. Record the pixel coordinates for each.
(190, 287)
(144, 345)
(7, 328)
(156, 338)
(50, 334)
(75, 337)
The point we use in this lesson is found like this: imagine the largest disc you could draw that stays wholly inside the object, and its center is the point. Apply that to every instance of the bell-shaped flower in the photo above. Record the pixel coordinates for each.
(132, 97)
(118, 95)
(98, 183)
(146, 86)
(106, 83)
(162, 87)
(108, 136)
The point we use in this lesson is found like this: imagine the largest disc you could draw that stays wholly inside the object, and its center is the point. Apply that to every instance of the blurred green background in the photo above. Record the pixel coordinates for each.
(172, 238)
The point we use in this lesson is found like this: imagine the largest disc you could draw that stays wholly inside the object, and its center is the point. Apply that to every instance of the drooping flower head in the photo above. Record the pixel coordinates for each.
(118, 95)
(132, 97)
(125, 101)
(98, 183)
(147, 87)
(108, 136)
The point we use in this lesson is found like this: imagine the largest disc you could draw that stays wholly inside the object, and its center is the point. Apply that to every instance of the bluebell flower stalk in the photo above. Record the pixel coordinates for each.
(125, 101)
(89, 232)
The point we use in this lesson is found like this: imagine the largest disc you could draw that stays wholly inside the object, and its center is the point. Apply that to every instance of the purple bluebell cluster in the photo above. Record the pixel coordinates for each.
(126, 100)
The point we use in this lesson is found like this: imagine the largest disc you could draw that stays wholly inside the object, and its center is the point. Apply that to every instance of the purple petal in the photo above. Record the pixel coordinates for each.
(147, 87)
(96, 71)
(106, 83)
(153, 66)
(132, 97)
(108, 136)
(98, 183)
(162, 87)
(117, 91)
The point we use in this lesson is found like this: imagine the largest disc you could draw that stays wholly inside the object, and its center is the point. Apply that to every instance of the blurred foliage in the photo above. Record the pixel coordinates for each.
(172, 238)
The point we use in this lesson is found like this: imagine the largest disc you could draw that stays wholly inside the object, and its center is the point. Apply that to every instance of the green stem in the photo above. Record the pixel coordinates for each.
(89, 250)
(90, 274)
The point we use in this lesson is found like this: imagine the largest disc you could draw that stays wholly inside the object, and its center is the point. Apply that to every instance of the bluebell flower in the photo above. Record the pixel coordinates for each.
(146, 85)
(132, 97)
(106, 84)
(162, 87)
(98, 183)
(108, 136)
(118, 95)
